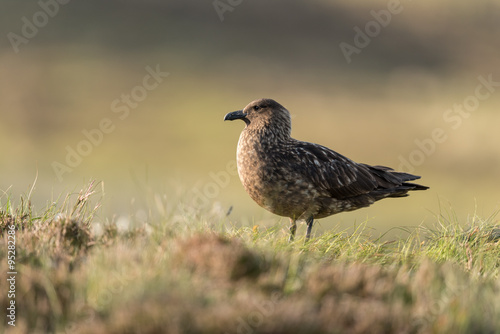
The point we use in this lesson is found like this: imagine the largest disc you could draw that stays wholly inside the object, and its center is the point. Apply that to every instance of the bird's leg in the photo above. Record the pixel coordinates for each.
(309, 222)
(293, 228)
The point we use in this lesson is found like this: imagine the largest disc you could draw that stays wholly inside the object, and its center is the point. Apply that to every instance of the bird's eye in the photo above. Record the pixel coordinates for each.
(256, 108)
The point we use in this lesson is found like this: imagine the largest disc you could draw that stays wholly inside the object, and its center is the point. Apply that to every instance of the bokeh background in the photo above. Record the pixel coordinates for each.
(65, 77)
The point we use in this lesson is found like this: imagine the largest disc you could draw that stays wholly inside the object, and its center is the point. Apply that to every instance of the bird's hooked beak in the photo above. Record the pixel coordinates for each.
(239, 114)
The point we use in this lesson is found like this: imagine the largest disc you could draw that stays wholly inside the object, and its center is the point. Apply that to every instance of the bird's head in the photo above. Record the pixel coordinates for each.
(264, 114)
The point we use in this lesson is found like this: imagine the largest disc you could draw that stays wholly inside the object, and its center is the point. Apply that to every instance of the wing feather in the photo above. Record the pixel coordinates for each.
(334, 173)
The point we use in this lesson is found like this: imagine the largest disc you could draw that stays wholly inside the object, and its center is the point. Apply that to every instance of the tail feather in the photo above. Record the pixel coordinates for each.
(416, 186)
(392, 183)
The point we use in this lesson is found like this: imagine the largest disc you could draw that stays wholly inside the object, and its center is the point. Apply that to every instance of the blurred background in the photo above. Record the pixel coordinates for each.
(85, 94)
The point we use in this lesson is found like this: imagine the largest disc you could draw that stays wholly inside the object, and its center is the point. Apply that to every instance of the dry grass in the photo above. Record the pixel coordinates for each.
(163, 278)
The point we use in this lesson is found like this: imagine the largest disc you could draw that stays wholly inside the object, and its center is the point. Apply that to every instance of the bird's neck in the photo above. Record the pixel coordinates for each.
(267, 134)
(276, 129)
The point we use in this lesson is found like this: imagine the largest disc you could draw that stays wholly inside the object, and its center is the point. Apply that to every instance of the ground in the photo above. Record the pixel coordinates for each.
(201, 273)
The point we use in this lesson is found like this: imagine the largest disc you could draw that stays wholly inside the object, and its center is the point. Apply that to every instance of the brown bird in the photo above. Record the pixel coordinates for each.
(301, 180)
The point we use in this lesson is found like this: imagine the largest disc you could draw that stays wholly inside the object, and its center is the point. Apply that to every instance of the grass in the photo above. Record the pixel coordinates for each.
(203, 274)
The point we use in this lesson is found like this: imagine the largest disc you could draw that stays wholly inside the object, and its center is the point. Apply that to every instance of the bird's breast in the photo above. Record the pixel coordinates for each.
(271, 180)
(254, 167)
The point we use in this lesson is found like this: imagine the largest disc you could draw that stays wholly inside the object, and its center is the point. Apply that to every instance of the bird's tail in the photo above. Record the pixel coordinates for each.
(394, 184)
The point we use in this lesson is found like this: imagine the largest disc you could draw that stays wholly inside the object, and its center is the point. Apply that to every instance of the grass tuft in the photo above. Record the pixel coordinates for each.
(201, 274)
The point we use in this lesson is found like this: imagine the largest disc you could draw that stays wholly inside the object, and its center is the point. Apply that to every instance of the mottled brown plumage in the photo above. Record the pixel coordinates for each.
(305, 181)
